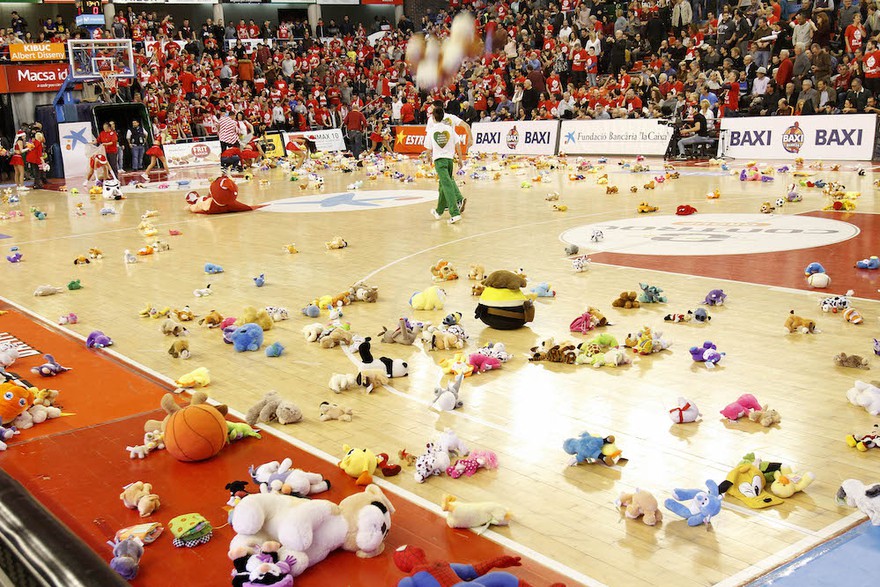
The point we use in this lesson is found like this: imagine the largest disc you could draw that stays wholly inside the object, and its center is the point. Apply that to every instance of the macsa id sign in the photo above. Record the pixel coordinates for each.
(521, 138)
(848, 137)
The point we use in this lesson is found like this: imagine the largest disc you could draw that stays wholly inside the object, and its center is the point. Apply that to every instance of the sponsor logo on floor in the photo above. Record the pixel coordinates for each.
(350, 201)
(711, 234)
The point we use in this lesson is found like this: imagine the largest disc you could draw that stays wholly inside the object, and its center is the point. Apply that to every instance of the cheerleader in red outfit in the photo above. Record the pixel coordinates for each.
(17, 160)
(157, 154)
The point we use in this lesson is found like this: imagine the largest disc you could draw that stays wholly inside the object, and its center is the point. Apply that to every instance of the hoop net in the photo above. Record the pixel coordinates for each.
(110, 81)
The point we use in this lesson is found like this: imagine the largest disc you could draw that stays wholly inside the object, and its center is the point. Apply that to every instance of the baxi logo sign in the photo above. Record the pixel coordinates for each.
(847, 138)
(793, 138)
(512, 139)
(535, 137)
(712, 234)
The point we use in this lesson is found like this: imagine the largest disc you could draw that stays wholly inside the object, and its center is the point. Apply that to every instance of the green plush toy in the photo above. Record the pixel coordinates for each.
(75, 284)
(604, 340)
(239, 430)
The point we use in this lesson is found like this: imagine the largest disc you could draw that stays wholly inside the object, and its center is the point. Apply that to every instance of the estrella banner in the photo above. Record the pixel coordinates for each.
(411, 139)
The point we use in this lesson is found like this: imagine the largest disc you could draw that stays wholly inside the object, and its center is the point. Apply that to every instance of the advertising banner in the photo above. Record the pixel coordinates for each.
(325, 140)
(76, 147)
(384, 2)
(613, 137)
(849, 137)
(411, 139)
(192, 154)
(37, 52)
(45, 77)
(516, 138)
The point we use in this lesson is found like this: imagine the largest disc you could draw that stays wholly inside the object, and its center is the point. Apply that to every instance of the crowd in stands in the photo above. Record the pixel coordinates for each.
(577, 59)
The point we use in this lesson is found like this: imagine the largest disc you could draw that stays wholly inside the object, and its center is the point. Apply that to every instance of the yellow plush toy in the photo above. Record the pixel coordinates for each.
(430, 299)
(196, 378)
(787, 483)
(474, 515)
(457, 365)
(746, 483)
(359, 463)
(250, 315)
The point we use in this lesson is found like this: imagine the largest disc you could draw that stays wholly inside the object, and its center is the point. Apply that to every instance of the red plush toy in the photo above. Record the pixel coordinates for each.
(412, 560)
(685, 210)
(222, 198)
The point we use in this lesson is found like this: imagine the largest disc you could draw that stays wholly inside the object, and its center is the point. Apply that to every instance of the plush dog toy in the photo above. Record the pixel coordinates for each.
(795, 323)
(139, 496)
(766, 417)
(747, 483)
(330, 411)
(863, 443)
(474, 515)
(641, 503)
(273, 408)
(854, 493)
(697, 506)
(865, 395)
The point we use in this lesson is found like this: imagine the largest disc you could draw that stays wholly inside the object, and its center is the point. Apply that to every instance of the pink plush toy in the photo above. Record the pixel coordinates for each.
(741, 407)
(483, 363)
(227, 322)
(478, 459)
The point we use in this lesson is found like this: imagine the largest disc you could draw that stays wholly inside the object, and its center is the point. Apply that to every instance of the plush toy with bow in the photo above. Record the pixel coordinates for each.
(685, 412)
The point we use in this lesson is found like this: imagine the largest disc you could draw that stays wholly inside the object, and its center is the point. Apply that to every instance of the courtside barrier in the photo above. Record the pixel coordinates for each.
(330, 139)
(614, 137)
(410, 139)
(534, 137)
(847, 137)
(194, 154)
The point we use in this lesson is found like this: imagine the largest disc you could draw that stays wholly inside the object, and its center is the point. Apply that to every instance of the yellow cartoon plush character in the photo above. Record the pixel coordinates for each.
(359, 463)
(431, 298)
(786, 482)
(746, 483)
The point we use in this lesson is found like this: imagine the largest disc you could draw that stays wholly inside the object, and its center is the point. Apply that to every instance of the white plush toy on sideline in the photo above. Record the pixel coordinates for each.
(310, 529)
(275, 477)
(865, 395)
(110, 189)
(856, 494)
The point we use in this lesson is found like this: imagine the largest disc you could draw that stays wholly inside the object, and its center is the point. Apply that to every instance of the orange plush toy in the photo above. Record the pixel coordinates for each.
(222, 198)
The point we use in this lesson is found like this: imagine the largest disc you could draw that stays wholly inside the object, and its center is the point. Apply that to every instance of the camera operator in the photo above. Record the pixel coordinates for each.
(699, 131)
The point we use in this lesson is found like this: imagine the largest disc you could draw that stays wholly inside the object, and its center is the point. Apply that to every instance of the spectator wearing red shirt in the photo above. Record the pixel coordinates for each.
(34, 159)
(187, 83)
(355, 123)
(785, 70)
(108, 139)
(407, 113)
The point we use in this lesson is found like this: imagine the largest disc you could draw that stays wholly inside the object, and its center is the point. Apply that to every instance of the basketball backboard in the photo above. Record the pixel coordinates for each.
(92, 59)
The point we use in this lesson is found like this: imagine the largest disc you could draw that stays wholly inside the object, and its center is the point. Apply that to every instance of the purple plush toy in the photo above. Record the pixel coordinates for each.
(126, 558)
(98, 340)
(707, 353)
(50, 368)
(715, 297)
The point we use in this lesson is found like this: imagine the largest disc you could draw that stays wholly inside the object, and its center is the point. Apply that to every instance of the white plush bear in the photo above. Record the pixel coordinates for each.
(310, 529)
(275, 477)
(865, 395)
(858, 495)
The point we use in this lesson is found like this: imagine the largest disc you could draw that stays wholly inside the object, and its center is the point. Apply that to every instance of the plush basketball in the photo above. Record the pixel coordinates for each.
(195, 433)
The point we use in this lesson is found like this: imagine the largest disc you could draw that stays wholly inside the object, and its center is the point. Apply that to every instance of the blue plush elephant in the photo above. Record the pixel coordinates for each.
(247, 338)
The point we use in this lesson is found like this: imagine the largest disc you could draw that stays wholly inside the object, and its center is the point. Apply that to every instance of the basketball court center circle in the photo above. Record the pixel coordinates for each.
(351, 201)
(710, 234)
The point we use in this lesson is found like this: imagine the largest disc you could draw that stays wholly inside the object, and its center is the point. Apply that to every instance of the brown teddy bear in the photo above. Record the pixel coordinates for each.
(371, 378)
(503, 279)
(641, 503)
(171, 327)
(765, 417)
(477, 289)
(179, 349)
(598, 317)
(795, 323)
(626, 300)
(336, 337)
(139, 496)
(854, 361)
(212, 320)
(334, 412)
(441, 341)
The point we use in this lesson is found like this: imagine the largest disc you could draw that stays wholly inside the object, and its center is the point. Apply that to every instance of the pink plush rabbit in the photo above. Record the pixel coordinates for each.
(741, 407)
(478, 459)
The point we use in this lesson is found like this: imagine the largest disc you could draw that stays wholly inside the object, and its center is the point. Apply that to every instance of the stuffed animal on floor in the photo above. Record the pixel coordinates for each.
(786, 482)
(697, 506)
(865, 395)
(476, 460)
(626, 300)
(865, 442)
(372, 378)
(766, 417)
(641, 504)
(340, 382)
(651, 294)
(856, 494)
(476, 273)
(503, 305)
(50, 368)
(430, 299)
(8, 354)
(126, 558)
(251, 315)
(273, 408)
(424, 573)
(337, 243)
(446, 398)
(685, 412)
(443, 271)
(741, 407)
(474, 515)
(835, 304)
(261, 566)
(869, 263)
(247, 338)
(746, 482)
(482, 363)
(98, 340)
(281, 477)
(591, 449)
(330, 411)
(139, 496)
(222, 198)
(404, 334)
(795, 323)
(434, 461)
(199, 377)
(707, 354)
(310, 529)
(715, 297)
(335, 337)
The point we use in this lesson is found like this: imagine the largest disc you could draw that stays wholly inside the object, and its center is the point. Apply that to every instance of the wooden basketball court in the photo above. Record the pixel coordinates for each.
(565, 516)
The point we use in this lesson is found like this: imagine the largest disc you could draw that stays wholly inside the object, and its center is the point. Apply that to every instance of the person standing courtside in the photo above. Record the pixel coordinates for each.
(442, 141)
(227, 131)
(356, 123)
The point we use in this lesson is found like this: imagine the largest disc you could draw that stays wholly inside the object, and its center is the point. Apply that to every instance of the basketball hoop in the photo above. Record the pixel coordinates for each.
(110, 81)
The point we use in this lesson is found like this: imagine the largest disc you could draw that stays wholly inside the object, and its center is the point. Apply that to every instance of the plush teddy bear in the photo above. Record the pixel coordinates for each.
(171, 327)
(139, 496)
(337, 243)
(275, 477)
(336, 337)
(250, 315)
(641, 503)
(247, 338)
(442, 340)
(334, 412)
(273, 408)
(765, 417)
(364, 293)
(339, 382)
(854, 361)
(476, 272)
(865, 395)
(797, 324)
(310, 529)
(626, 300)
(180, 349)
(431, 298)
